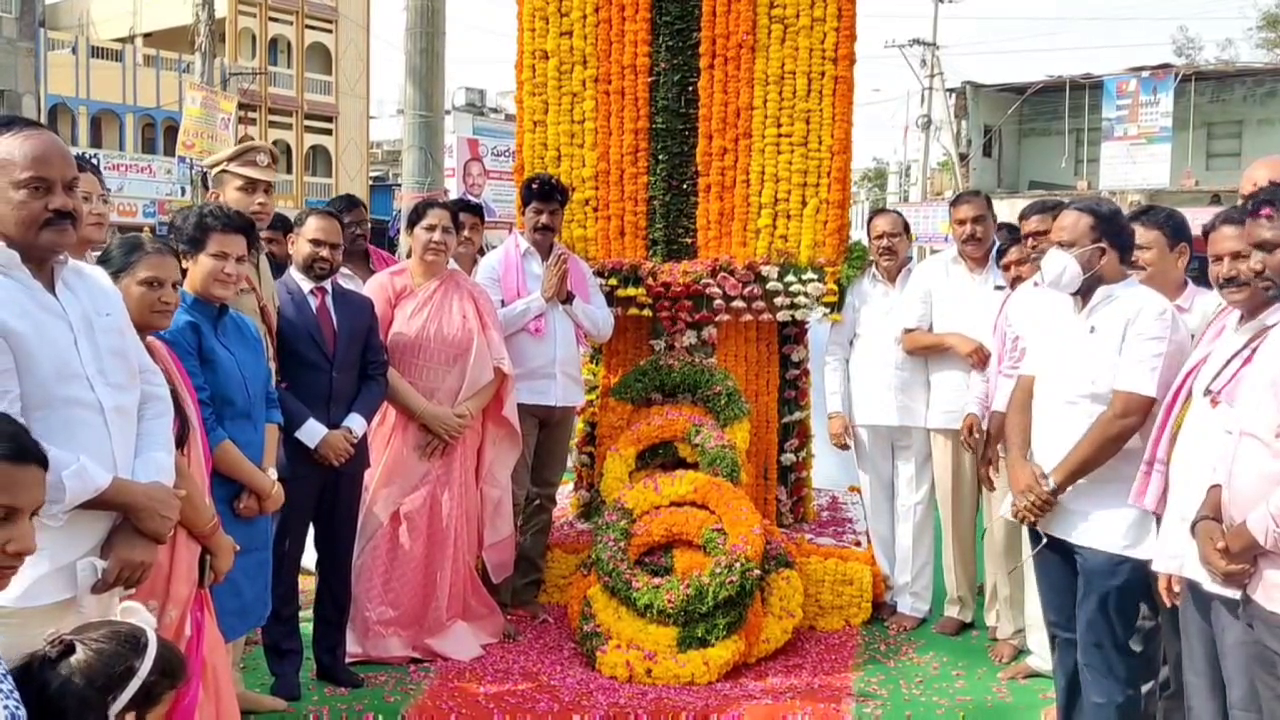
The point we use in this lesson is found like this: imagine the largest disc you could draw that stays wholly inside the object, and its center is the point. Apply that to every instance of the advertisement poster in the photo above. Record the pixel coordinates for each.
(144, 189)
(482, 169)
(208, 122)
(1137, 131)
(144, 176)
(930, 222)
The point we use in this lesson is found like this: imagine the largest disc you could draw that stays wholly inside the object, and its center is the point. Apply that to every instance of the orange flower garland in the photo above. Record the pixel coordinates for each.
(836, 233)
(740, 349)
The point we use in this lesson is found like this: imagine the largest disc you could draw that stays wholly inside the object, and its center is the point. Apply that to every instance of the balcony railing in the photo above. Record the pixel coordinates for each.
(284, 187)
(57, 43)
(318, 85)
(281, 80)
(317, 189)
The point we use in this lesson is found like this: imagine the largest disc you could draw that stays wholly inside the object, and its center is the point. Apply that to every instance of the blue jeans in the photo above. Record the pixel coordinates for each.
(1101, 613)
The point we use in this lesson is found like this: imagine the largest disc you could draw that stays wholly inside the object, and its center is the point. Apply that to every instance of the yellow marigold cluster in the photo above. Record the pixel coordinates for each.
(839, 587)
(564, 566)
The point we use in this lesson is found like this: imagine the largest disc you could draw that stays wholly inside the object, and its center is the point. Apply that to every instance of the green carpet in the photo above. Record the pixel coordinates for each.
(927, 675)
(916, 676)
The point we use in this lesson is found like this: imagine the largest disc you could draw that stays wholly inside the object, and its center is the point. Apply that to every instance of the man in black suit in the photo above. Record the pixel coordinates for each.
(333, 378)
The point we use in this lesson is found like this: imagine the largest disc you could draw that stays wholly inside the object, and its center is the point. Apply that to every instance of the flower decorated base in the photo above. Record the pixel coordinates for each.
(832, 554)
(544, 674)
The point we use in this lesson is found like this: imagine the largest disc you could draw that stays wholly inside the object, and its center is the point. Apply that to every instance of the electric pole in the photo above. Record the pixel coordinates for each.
(206, 53)
(421, 167)
(928, 82)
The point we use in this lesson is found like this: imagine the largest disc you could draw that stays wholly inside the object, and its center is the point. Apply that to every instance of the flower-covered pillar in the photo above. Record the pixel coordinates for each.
(708, 143)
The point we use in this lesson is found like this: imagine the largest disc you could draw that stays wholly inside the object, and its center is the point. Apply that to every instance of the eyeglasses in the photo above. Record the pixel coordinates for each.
(357, 225)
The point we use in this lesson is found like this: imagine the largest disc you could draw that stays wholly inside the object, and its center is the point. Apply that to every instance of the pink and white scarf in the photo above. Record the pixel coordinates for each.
(1151, 486)
(514, 286)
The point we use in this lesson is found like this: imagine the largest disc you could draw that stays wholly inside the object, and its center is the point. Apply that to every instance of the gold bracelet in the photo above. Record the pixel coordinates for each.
(209, 529)
(418, 415)
(274, 489)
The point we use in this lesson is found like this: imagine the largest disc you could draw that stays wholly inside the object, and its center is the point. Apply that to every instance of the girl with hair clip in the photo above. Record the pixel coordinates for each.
(114, 669)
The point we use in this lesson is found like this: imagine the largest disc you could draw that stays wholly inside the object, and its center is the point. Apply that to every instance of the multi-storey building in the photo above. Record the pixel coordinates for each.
(19, 89)
(115, 73)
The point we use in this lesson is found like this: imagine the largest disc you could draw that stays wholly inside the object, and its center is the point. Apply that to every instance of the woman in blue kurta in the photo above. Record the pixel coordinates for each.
(226, 359)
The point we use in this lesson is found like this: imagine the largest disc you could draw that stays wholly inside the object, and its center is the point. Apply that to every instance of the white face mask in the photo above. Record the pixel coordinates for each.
(1061, 271)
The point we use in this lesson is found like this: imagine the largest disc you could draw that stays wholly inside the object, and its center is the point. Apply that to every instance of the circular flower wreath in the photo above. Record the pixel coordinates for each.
(625, 646)
(707, 606)
(713, 450)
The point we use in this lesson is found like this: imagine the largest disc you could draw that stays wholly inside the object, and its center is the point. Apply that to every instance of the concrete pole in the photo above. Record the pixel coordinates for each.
(206, 53)
(930, 81)
(421, 160)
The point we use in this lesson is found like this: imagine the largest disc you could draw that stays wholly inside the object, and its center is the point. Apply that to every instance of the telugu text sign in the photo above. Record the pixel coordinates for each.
(208, 122)
(141, 176)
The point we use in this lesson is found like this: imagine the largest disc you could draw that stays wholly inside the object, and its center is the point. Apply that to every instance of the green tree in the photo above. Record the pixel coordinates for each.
(1188, 47)
(873, 183)
(1265, 34)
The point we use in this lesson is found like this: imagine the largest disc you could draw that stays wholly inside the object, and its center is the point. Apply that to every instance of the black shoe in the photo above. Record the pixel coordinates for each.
(287, 689)
(342, 676)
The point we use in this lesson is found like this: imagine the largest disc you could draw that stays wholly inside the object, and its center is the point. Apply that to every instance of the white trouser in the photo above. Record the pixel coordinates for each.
(896, 478)
(1038, 655)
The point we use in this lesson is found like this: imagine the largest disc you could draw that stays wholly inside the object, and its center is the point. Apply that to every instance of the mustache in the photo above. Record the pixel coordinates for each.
(1235, 282)
(59, 217)
(543, 228)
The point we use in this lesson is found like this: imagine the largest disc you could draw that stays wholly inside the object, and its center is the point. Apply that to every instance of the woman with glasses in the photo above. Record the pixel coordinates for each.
(95, 223)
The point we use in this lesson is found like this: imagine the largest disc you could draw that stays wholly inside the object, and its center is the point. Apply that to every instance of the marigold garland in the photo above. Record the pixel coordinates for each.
(714, 452)
(674, 141)
(740, 349)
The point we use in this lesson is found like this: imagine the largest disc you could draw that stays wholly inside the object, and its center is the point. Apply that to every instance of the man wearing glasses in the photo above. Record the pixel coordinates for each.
(888, 392)
(1104, 350)
(360, 258)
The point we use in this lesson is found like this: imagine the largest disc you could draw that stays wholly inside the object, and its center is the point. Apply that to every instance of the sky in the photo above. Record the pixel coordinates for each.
(989, 41)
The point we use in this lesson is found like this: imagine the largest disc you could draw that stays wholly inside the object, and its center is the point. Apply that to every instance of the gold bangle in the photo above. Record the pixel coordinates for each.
(209, 529)
(274, 489)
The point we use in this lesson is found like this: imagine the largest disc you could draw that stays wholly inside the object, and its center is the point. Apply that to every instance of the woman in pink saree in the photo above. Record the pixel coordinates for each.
(437, 497)
(148, 275)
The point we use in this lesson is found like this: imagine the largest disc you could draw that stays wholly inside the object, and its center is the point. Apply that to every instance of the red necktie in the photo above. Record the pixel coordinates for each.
(325, 318)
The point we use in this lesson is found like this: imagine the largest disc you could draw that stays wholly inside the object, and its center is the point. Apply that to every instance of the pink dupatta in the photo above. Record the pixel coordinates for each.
(1151, 487)
(514, 286)
(184, 611)
(380, 259)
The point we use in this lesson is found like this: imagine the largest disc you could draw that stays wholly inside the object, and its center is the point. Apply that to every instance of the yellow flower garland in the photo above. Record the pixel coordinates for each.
(640, 651)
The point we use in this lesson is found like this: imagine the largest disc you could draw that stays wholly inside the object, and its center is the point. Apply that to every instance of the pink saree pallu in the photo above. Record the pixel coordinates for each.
(424, 523)
(183, 610)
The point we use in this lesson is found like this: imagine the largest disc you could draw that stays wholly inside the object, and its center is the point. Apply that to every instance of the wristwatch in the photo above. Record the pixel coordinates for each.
(271, 474)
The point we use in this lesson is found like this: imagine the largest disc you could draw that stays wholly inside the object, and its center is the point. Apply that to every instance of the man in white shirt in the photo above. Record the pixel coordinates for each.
(470, 247)
(73, 369)
(990, 402)
(948, 312)
(988, 391)
(889, 391)
(1214, 683)
(550, 305)
(1106, 350)
(1161, 254)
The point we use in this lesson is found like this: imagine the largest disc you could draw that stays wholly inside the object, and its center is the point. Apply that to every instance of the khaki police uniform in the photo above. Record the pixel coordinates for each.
(255, 160)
